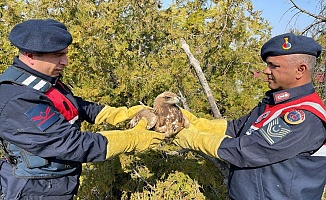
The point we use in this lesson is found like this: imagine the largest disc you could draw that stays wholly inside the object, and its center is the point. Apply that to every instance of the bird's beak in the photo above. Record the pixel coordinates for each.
(176, 100)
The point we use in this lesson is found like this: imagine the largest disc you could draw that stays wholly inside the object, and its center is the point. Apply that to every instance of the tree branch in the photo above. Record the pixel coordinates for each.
(195, 63)
(319, 17)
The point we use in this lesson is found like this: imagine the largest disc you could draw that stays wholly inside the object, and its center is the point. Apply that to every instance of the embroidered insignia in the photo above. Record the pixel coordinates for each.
(43, 116)
(286, 45)
(294, 117)
(262, 116)
(274, 131)
(281, 96)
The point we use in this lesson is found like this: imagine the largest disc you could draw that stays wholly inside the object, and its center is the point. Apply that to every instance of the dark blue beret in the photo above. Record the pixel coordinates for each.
(40, 36)
(289, 43)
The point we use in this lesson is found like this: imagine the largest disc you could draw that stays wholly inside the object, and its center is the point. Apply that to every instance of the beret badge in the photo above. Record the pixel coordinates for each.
(286, 45)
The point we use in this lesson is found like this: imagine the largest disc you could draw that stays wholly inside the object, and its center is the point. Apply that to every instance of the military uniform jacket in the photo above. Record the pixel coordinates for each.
(48, 134)
(273, 149)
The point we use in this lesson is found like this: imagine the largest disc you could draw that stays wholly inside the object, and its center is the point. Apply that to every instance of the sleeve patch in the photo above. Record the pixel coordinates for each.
(294, 117)
(274, 131)
(43, 116)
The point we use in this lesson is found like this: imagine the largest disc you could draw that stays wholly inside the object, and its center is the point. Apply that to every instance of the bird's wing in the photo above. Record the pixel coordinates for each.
(148, 114)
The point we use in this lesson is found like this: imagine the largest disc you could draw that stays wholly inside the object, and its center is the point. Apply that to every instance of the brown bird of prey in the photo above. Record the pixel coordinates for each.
(165, 117)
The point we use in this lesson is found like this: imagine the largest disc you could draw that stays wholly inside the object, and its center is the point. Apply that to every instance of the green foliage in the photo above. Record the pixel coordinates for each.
(153, 175)
(124, 52)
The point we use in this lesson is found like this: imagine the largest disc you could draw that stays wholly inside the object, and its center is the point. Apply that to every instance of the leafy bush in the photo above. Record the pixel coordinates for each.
(155, 174)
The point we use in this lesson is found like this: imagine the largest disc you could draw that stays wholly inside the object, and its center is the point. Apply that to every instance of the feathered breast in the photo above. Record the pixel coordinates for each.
(165, 117)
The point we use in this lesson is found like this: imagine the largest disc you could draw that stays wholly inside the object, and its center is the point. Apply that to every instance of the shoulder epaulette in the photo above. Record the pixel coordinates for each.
(15, 75)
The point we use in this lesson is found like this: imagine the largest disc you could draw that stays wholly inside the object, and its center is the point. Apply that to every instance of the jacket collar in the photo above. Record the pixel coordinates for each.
(276, 97)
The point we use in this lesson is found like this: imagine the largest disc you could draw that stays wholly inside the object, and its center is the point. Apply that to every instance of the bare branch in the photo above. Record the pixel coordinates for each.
(195, 64)
(310, 26)
(319, 17)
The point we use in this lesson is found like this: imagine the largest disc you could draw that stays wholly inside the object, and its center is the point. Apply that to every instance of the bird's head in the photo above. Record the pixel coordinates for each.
(165, 98)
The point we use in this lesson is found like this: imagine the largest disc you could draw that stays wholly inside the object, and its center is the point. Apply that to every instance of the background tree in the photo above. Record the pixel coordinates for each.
(124, 52)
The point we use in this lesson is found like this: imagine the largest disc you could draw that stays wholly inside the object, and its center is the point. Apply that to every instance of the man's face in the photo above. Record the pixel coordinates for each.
(51, 64)
(281, 72)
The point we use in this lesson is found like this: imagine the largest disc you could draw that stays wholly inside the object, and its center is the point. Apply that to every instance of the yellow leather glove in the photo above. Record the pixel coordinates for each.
(200, 141)
(215, 126)
(136, 139)
(114, 115)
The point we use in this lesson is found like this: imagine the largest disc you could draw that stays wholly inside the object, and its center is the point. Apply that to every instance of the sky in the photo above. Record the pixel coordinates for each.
(278, 14)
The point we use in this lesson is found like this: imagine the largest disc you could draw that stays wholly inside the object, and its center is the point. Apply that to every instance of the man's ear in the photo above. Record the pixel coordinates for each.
(29, 57)
(301, 70)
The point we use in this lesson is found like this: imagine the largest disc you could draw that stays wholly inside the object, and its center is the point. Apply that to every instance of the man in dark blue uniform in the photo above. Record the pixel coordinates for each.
(40, 119)
(277, 151)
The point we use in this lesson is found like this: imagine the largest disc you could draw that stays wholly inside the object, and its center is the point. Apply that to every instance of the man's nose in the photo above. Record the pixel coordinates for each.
(64, 60)
(267, 70)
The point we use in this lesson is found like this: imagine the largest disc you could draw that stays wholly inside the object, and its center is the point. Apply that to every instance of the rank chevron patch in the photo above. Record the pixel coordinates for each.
(274, 131)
